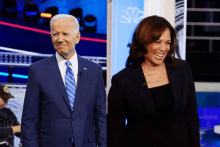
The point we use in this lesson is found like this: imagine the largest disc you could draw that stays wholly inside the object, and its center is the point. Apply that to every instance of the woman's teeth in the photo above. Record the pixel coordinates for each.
(158, 55)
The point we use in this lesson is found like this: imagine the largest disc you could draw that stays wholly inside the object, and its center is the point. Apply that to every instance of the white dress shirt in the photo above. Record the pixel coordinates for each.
(62, 66)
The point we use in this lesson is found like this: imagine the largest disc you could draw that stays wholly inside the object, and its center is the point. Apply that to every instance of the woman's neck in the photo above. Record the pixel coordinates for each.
(151, 67)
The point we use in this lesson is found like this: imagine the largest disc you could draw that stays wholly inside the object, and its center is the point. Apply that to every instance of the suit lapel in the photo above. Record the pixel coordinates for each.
(145, 95)
(56, 76)
(143, 90)
(81, 81)
(175, 85)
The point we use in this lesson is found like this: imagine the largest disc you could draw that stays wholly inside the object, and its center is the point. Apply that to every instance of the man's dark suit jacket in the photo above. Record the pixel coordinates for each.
(129, 97)
(47, 119)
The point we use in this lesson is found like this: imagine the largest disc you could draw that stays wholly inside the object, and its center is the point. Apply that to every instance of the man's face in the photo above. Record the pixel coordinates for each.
(63, 37)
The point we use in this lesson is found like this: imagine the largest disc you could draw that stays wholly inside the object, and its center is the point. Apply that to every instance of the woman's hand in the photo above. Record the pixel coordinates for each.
(16, 129)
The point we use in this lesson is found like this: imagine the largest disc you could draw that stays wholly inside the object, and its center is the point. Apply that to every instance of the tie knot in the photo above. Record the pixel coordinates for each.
(68, 63)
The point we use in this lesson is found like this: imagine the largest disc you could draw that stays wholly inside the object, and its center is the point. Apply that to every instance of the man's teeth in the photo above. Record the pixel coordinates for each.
(159, 55)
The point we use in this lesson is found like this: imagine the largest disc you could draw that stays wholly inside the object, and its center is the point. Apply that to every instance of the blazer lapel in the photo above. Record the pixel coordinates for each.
(175, 85)
(148, 101)
(143, 91)
(56, 76)
(81, 81)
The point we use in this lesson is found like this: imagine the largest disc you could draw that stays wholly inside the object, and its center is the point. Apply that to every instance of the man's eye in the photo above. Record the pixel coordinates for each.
(66, 34)
(54, 34)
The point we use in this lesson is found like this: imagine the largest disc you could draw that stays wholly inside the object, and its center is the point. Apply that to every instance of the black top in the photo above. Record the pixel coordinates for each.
(163, 99)
(7, 120)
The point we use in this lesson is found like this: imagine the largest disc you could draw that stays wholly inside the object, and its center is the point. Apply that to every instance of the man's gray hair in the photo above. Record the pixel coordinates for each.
(63, 16)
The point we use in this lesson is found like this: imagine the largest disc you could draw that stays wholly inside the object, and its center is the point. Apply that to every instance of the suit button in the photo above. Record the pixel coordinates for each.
(73, 119)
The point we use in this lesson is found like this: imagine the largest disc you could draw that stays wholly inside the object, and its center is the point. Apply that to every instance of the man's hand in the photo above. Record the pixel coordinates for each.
(16, 129)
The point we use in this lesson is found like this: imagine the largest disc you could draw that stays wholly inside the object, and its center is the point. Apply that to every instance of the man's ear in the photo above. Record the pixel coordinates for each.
(78, 37)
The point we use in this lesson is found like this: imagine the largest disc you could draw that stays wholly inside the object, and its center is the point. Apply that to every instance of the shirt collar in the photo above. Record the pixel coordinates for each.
(62, 61)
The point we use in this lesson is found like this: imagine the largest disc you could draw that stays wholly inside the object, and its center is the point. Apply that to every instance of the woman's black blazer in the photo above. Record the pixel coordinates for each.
(129, 98)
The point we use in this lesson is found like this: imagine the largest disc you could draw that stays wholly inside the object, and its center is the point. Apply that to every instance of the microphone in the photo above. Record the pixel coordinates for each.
(79, 74)
(144, 84)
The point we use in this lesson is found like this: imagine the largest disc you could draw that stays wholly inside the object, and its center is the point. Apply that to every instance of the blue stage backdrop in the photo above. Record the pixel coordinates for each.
(17, 34)
(89, 7)
(126, 16)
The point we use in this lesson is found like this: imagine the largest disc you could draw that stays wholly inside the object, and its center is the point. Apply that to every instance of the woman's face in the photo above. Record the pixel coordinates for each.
(157, 51)
(2, 103)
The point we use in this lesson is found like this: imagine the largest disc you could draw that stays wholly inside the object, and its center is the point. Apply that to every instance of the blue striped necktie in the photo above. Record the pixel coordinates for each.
(70, 84)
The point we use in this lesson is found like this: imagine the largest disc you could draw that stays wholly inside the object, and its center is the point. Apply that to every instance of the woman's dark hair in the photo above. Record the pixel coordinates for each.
(148, 31)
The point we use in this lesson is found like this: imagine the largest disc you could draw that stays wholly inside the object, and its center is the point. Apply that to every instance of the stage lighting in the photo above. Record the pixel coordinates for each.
(90, 24)
(9, 8)
(31, 13)
(45, 15)
(77, 12)
(51, 10)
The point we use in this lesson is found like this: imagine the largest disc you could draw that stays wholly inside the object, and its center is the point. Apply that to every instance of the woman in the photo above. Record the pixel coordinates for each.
(155, 93)
(8, 121)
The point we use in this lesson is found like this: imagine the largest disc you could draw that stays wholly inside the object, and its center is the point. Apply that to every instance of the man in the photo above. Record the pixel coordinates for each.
(65, 100)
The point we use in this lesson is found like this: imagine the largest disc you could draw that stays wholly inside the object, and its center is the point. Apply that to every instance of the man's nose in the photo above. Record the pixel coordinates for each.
(60, 38)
